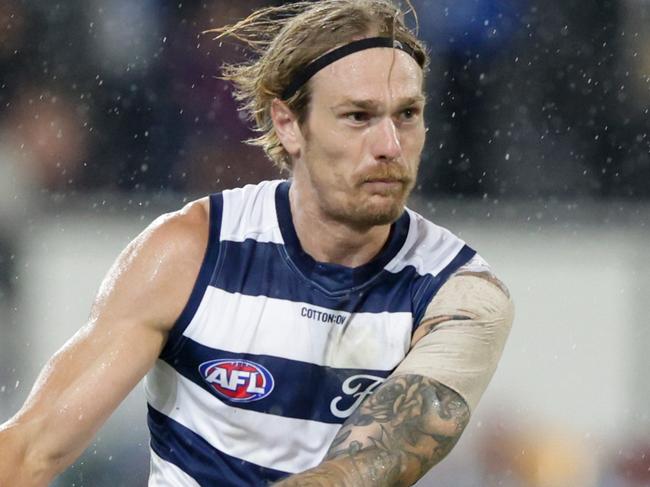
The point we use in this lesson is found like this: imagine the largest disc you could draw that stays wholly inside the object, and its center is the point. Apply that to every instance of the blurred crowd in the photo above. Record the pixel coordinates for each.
(528, 99)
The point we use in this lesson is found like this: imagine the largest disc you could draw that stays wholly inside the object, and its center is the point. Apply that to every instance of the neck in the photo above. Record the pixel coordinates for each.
(331, 241)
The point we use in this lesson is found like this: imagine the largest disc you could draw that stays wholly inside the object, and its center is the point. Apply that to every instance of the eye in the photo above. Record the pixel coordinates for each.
(358, 117)
(410, 113)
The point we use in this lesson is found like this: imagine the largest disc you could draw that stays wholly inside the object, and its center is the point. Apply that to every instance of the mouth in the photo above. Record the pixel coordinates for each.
(384, 185)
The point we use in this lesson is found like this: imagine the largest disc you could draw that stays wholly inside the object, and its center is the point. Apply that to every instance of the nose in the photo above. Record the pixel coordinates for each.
(386, 143)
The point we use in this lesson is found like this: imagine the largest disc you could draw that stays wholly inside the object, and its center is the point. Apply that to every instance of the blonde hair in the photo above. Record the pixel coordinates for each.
(285, 39)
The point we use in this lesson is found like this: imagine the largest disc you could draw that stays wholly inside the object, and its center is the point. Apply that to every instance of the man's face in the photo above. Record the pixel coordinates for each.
(364, 136)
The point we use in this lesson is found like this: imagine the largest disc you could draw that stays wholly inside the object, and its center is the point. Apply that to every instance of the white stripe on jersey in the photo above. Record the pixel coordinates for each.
(247, 435)
(476, 264)
(165, 474)
(428, 247)
(265, 326)
(250, 214)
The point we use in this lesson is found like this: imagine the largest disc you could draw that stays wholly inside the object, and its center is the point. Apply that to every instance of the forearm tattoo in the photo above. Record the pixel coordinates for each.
(407, 426)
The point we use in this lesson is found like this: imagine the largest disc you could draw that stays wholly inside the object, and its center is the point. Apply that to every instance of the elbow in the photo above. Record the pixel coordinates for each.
(458, 422)
(443, 417)
(445, 413)
(22, 462)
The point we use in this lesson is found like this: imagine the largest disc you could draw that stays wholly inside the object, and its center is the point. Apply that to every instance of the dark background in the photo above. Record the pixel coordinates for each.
(528, 100)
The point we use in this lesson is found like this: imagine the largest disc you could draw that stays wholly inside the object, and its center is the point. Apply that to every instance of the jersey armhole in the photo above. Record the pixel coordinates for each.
(206, 271)
(426, 294)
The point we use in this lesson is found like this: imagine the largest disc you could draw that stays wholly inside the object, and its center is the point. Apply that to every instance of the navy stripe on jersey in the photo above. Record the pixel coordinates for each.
(334, 277)
(294, 394)
(203, 279)
(179, 445)
(429, 285)
(256, 269)
(262, 269)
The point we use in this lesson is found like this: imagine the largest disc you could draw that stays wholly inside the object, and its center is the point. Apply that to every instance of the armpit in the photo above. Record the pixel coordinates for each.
(462, 334)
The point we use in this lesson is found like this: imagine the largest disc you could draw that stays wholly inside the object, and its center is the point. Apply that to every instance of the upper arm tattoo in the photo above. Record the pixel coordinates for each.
(407, 426)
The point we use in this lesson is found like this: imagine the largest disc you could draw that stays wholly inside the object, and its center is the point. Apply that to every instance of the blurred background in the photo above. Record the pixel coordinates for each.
(538, 155)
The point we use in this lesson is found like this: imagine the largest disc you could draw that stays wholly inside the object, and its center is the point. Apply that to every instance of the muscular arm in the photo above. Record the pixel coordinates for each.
(412, 420)
(85, 381)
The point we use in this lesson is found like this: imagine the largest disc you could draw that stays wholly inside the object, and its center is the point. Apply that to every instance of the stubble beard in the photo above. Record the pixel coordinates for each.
(367, 213)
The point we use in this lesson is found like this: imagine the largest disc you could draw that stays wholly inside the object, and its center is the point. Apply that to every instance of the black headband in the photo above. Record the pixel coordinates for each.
(314, 67)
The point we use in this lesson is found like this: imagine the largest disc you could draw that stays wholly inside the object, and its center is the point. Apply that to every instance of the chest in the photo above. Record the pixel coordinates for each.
(292, 358)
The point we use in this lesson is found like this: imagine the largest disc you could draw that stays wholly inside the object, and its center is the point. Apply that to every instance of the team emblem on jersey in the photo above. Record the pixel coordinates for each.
(356, 387)
(237, 380)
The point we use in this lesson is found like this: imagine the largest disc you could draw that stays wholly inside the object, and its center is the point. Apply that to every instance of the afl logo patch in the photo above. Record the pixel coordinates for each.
(237, 380)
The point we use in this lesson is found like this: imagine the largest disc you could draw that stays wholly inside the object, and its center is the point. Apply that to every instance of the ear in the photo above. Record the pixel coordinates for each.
(287, 127)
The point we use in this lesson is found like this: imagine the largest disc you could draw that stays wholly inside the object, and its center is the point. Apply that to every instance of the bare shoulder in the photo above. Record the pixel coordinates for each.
(151, 280)
(185, 230)
(175, 240)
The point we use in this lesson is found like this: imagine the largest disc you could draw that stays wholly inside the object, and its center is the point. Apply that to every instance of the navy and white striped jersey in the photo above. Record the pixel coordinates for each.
(275, 350)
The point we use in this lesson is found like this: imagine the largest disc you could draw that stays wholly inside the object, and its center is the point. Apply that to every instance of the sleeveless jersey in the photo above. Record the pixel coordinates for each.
(274, 350)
